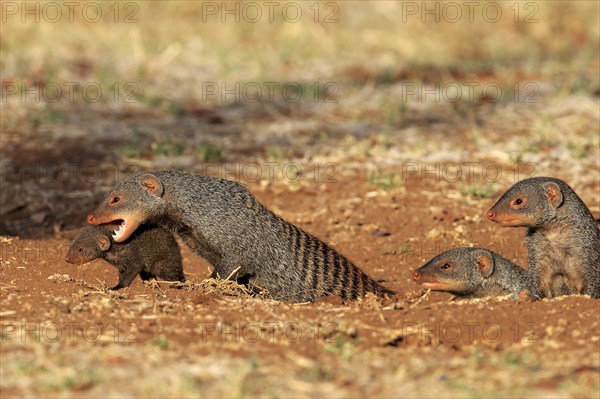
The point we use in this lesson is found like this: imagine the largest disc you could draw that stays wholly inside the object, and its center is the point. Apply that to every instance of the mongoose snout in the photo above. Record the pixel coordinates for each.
(416, 276)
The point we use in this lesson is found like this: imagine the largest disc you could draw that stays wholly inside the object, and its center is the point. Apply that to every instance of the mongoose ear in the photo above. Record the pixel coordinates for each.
(152, 184)
(554, 194)
(485, 263)
(104, 243)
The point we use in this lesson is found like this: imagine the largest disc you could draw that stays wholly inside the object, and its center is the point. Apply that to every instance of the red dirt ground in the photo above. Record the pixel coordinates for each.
(383, 232)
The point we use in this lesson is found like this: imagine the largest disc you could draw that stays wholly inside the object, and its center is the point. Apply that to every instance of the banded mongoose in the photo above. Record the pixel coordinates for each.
(563, 241)
(472, 273)
(224, 223)
(150, 251)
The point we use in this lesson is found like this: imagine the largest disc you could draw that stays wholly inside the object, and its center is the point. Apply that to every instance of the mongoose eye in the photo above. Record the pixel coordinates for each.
(114, 200)
(80, 249)
(518, 201)
(445, 266)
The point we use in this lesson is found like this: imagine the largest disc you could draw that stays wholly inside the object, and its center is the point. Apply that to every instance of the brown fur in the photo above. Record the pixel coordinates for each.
(151, 252)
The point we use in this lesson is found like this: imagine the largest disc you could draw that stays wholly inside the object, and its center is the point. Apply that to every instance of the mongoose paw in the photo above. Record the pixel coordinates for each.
(525, 296)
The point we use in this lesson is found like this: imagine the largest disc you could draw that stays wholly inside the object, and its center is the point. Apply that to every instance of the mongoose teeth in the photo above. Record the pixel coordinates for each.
(119, 232)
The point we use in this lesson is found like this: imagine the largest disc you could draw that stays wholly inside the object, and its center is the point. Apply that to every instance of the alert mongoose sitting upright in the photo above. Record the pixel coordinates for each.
(150, 251)
(472, 273)
(563, 241)
(224, 223)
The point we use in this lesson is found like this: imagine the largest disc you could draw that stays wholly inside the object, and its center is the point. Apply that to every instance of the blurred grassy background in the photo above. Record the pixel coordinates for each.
(181, 41)
(176, 45)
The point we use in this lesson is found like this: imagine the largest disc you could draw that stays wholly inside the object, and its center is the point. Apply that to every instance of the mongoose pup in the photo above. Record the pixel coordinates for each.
(563, 241)
(472, 273)
(225, 224)
(151, 252)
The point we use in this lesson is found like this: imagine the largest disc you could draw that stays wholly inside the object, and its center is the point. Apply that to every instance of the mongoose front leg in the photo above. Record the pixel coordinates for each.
(534, 287)
(165, 270)
(545, 287)
(126, 276)
(575, 276)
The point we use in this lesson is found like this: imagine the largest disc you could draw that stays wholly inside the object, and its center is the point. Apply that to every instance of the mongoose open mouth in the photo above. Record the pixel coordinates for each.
(124, 225)
(120, 232)
(124, 228)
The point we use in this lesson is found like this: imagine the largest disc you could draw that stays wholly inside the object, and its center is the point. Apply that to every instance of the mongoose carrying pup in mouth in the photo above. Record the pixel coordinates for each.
(151, 252)
(563, 241)
(224, 223)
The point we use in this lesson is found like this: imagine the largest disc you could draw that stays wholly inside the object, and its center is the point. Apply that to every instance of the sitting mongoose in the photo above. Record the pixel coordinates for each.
(472, 273)
(151, 252)
(224, 223)
(563, 241)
